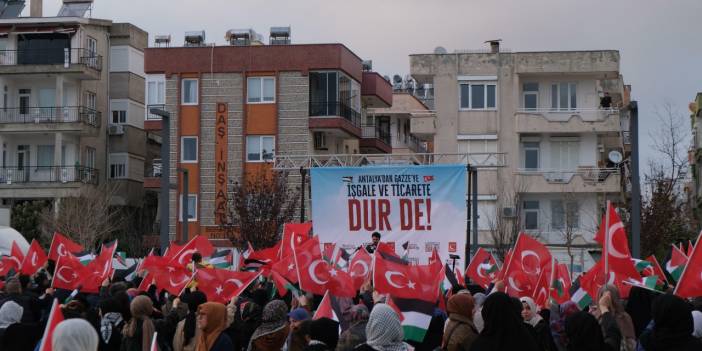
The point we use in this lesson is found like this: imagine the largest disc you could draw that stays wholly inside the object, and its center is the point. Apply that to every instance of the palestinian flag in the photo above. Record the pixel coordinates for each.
(405, 253)
(676, 264)
(126, 274)
(645, 282)
(581, 298)
(222, 259)
(328, 308)
(281, 286)
(121, 257)
(642, 265)
(85, 257)
(416, 316)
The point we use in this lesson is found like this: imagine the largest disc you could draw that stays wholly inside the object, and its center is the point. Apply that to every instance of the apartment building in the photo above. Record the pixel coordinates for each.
(549, 124)
(72, 113)
(234, 108)
(394, 125)
(694, 186)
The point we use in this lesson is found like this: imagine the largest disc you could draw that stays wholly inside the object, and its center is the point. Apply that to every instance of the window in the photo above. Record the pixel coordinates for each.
(260, 90)
(530, 155)
(45, 155)
(563, 96)
(119, 117)
(155, 94)
(479, 147)
(25, 96)
(118, 166)
(324, 93)
(188, 149)
(190, 91)
(260, 148)
(192, 208)
(90, 100)
(564, 215)
(531, 215)
(565, 155)
(477, 96)
(530, 93)
(89, 157)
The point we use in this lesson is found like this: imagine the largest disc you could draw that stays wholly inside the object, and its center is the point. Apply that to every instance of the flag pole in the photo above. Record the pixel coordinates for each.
(689, 259)
(607, 240)
(553, 271)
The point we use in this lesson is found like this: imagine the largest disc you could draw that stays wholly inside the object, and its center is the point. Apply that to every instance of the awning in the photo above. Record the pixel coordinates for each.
(37, 30)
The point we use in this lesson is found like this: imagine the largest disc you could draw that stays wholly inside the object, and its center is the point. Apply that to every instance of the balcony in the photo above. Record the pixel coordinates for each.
(152, 174)
(50, 119)
(47, 174)
(585, 120)
(580, 180)
(417, 146)
(375, 140)
(80, 63)
(376, 92)
(602, 63)
(423, 123)
(331, 116)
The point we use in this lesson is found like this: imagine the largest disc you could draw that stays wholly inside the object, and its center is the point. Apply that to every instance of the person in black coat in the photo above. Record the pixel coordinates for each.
(672, 326)
(504, 329)
(586, 334)
(323, 335)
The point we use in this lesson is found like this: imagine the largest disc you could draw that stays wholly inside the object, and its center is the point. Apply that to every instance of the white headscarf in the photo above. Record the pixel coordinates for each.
(535, 317)
(74, 335)
(10, 313)
(697, 329)
(384, 331)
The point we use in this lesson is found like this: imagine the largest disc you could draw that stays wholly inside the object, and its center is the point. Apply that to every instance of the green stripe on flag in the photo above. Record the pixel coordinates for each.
(415, 325)
(581, 298)
(414, 333)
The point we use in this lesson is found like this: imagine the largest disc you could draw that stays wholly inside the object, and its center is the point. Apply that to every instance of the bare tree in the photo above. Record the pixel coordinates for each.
(670, 141)
(503, 229)
(88, 219)
(259, 207)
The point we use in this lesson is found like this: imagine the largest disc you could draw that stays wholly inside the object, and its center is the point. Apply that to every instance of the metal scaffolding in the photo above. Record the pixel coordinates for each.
(475, 160)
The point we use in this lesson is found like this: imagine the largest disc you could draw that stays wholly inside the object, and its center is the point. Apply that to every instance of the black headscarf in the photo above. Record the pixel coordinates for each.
(639, 307)
(503, 329)
(325, 330)
(584, 332)
(194, 300)
(673, 325)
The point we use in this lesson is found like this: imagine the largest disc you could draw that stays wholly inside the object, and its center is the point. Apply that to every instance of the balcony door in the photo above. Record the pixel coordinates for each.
(47, 102)
(23, 158)
(25, 98)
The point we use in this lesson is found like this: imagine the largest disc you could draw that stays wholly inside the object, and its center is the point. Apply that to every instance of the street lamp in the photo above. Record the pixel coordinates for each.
(165, 174)
(185, 219)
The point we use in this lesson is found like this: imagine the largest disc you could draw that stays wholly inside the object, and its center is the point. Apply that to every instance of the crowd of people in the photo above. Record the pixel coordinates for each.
(122, 318)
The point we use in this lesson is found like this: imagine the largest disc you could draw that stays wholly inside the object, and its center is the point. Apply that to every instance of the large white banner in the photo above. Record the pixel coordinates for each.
(423, 206)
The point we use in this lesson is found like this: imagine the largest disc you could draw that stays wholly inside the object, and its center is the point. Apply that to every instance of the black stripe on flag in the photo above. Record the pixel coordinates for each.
(414, 305)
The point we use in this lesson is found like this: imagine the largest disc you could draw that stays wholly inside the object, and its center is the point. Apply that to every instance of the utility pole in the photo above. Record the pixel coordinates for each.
(635, 181)
(165, 175)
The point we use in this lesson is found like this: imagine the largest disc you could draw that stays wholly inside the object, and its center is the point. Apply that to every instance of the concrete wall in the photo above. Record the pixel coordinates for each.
(127, 85)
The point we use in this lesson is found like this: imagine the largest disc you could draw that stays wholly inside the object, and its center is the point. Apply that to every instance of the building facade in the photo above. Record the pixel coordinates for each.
(234, 108)
(694, 187)
(551, 145)
(72, 107)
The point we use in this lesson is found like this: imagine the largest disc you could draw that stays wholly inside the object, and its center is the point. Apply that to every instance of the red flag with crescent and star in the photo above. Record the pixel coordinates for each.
(69, 273)
(406, 281)
(360, 268)
(616, 245)
(197, 244)
(61, 246)
(482, 269)
(34, 259)
(221, 285)
(528, 259)
(316, 275)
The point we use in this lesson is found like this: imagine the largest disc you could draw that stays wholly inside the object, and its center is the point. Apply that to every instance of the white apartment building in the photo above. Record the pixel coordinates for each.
(558, 153)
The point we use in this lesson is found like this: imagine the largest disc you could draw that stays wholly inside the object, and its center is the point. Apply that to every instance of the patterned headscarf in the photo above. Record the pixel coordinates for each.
(384, 331)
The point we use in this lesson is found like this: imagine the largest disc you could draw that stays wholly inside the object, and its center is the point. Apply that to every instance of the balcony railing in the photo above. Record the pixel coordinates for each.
(48, 174)
(152, 117)
(374, 131)
(564, 115)
(153, 170)
(416, 145)
(64, 57)
(588, 174)
(67, 114)
(335, 108)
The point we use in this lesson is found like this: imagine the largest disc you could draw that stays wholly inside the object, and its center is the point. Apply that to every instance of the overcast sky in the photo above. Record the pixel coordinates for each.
(660, 41)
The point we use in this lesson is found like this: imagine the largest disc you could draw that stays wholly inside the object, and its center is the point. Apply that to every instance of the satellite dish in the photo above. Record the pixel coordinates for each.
(440, 50)
(387, 78)
(397, 79)
(615, 156)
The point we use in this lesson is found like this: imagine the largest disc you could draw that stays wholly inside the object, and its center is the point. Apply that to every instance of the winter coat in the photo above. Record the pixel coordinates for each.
(460, 333)
(223, 343)
(352, 337)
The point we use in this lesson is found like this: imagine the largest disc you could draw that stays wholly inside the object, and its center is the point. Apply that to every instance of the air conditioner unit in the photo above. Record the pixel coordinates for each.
(509, 212)
(320, 141)
(116, 129)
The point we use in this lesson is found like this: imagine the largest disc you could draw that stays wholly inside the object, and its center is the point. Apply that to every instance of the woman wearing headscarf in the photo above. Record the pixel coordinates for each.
(211, 321)
(460, 332)
(11, 326)
(356, 334)
(323, 335)
(383, 331)
(638, 306)
(74, 335)
(672, 326)
(541, 328)
(585, 333)
(187, 333)
(477, 317)
(697, 324)
(624, 322)
(138, 332)
(274, 329)
(504, 329)
(111, 324)
(10, 313)
(559, 314)
(245, 323)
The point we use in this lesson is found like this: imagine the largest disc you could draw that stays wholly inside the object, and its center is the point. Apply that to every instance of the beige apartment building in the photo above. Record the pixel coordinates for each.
(551, 147)
(72, 106)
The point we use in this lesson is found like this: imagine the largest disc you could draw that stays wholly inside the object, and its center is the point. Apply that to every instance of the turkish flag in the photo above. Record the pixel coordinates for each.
(482, 269)
(221, 285)
(360, 268)
(35, 259)
(435, 257)
(526, 263)
(55, 317)
(69, 273)
(508, 257)
(146, 282)
(316, 275)
(16, 255)
(286, 268)
(173, 279)
(616, 244)
(198, 244)
(690, 283)
(6, 265)
(405, 281)
(560, 286)
(541, 289)
(99, 269)
(265, 258)
(595, 278)
(657, 269)
(294, 234)
(61, 246)
(173, 249)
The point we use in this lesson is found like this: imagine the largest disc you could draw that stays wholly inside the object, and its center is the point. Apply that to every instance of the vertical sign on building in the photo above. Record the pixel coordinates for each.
(221, 164)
